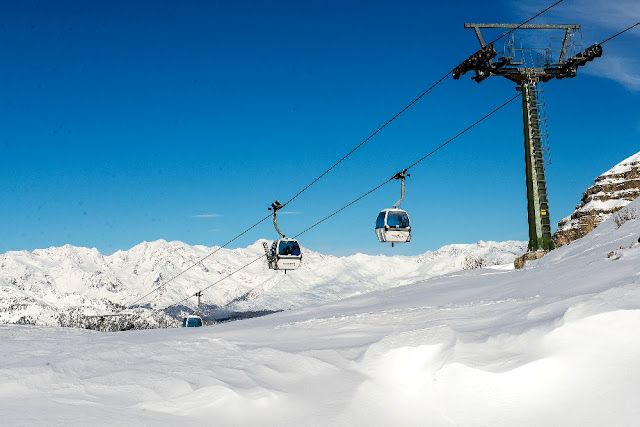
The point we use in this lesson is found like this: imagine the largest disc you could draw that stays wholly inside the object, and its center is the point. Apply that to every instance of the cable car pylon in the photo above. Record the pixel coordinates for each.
(529, 68)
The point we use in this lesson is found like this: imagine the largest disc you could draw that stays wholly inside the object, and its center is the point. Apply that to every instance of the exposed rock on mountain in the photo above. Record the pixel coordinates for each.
(610, 192)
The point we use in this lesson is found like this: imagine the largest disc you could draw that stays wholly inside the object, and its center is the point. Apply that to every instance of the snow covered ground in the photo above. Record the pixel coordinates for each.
(554, 344)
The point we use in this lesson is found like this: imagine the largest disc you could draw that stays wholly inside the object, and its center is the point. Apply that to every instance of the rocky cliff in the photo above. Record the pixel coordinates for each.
(610, 192)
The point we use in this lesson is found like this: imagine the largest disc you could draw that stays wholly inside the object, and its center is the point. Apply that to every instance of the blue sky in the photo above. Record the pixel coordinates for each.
(125, 123)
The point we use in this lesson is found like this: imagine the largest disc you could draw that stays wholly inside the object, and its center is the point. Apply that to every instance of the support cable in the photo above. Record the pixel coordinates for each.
(367, 139)
(219, 280)
(411, 166)
(464, 131)
(406, 108)
(623, 31)
(477, 122)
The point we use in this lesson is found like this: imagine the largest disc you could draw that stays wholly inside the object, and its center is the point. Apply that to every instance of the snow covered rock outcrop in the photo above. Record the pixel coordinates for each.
(65, 286)
(610, 192)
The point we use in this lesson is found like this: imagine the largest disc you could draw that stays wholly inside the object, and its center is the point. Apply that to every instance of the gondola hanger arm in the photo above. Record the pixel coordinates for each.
(275, 207)
(401, 176)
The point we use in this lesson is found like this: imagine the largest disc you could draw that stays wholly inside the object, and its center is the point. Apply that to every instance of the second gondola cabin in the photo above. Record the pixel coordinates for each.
(285, 254)
(394, 226)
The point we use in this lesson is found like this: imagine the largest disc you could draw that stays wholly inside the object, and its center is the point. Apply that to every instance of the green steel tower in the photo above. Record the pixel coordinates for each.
(529, 68)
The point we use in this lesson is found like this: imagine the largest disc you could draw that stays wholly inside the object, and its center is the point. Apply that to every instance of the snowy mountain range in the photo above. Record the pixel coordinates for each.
(61, 286)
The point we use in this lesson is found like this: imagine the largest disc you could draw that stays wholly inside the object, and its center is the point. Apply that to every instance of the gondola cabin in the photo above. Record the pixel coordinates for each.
(393, 225)
(191, 321)
(285, 255)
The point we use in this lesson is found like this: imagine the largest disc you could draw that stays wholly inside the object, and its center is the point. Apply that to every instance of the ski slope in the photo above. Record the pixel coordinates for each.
(556, 343)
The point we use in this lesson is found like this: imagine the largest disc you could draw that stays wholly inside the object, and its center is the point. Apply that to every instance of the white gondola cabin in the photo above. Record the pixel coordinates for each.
(285, 255)
(394, 226)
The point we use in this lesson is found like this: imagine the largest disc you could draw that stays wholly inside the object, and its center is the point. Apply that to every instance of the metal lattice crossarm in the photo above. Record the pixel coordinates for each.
(479, 60)
(570, 67)
(507, 66)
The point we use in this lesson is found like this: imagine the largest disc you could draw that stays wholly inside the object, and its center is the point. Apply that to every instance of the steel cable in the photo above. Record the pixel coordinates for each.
(621, 32)
(367, 139)
(468, 128)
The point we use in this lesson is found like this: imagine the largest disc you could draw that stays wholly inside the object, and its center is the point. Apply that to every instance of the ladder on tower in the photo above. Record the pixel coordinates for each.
(538, 203)
(542, 124)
